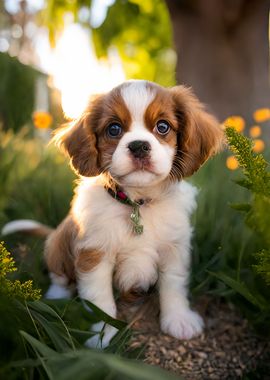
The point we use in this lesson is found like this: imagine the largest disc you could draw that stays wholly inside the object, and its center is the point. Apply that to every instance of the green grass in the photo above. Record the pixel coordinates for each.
(45, 339)
(221, 239)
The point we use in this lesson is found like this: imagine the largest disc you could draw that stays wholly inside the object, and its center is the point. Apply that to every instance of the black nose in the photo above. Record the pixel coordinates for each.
(139, 149)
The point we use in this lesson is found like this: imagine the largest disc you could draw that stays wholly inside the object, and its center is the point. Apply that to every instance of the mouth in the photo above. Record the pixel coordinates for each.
(136, 171)
(142, 164)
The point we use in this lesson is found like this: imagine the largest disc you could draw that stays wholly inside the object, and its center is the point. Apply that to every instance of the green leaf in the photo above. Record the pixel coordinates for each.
(53, 324)
(42, 351)
(25, 363)
(241, 289)
(85, 364)
(80, 335)
(105, 317)
(243, 182)
(241, 206)
(42, 348)
(137, 370)
(59, 337)
(90, 364)
(263, 265)
(42, 308)
(255, 167)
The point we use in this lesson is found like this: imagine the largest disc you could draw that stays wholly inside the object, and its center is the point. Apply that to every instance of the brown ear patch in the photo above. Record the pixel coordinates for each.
(79, 140)
(59, 250)
(199, 134)
(80, 145)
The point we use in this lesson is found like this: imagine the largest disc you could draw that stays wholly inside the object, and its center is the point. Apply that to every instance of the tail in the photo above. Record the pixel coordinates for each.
(30, 227)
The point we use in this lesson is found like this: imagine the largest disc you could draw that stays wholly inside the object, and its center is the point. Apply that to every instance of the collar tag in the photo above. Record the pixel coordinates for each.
(135, 218)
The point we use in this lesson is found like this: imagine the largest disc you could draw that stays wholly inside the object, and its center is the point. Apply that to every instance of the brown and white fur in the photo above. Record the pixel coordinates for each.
(95, 245)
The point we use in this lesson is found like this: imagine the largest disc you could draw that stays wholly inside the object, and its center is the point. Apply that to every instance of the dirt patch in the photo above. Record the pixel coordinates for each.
(228, 348)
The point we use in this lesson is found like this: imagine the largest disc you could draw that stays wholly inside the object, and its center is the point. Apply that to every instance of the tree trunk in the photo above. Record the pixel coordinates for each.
(223, 53)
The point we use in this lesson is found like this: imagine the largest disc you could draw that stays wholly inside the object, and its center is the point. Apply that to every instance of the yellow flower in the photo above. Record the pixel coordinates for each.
(236, 122)
(42, 119)
(232, 163)
(258, 146)
(6, 260)
(262, 114)
(255, 131)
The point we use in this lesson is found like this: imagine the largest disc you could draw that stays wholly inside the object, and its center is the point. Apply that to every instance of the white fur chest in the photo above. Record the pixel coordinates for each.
(106, 226)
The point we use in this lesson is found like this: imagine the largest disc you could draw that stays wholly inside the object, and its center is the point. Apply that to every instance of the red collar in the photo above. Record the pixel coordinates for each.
(135, 216)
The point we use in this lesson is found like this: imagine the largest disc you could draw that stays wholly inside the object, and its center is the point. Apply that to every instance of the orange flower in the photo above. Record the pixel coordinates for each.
(255, 131)
(262, 114)
(258, 146)
(42, 120)
(236, 122)
(232, 163)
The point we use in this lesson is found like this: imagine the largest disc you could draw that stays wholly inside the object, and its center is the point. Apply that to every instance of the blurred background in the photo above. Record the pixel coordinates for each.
(54, 54)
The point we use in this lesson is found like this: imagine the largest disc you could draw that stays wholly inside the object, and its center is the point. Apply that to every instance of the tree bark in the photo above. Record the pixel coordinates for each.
(223, 53)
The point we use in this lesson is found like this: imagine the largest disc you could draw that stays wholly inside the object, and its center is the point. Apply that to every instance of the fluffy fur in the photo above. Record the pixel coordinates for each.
(95, 245)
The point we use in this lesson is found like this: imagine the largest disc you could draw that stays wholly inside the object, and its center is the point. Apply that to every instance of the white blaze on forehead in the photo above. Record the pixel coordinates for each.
(137, 96)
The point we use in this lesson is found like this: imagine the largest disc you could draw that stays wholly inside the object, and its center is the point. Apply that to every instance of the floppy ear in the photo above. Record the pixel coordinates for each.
(199, 134)
(79, 140)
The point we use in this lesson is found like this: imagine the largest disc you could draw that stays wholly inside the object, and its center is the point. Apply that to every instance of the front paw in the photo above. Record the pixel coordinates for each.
(56, 291)
(104, 334)
(184, 324)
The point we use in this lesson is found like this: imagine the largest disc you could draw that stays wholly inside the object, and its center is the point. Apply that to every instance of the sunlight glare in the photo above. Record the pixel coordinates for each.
(77, 72)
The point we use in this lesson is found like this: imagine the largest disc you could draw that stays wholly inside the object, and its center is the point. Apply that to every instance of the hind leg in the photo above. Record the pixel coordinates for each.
(59, 259)
(59, 288)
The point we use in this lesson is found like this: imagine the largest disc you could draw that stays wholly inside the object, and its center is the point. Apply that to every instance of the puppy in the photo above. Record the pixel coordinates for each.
(129, 226)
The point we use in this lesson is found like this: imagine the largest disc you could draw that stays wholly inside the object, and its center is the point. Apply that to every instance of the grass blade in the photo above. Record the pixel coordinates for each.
(241, 289)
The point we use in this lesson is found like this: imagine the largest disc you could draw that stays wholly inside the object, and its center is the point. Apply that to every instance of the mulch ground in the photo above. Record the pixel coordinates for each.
(228, 348)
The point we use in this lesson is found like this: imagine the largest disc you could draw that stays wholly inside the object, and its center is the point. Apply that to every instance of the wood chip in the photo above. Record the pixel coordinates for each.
(228, 348)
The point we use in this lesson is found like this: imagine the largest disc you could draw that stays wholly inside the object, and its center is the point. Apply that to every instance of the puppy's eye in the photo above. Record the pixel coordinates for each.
(162, 127)
(114, 130)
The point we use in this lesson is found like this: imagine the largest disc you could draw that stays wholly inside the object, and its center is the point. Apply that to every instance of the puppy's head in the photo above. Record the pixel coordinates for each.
(142, 133)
